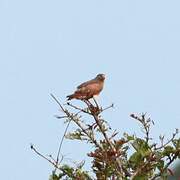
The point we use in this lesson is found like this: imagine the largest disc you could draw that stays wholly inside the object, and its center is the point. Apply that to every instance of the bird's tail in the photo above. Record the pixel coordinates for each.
(69, 97)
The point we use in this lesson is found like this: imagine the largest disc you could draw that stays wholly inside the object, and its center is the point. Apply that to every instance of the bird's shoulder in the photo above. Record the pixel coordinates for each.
(87, 83)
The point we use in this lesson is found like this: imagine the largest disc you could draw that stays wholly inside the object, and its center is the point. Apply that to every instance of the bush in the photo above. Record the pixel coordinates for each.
(111, 157)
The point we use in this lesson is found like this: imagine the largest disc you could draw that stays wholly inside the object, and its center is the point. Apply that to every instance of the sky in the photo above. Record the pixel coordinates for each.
(52, 46)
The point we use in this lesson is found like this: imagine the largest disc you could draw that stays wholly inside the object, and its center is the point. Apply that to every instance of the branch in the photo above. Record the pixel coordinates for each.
(95, 112)
(57, 102)
(163, 145)
(61, 142)
(44, 157)
(77, 108)
(106, 108)
(166, 167)
(71, 117)
(145, 123)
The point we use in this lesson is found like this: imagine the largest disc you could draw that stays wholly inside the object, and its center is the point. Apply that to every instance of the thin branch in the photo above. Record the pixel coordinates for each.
(57, 102)
(96, 103)
(71, 118)
(77, 108)
(145, 123)
(169, 141)
(95, 116)
(52, 158)
(60, 117)
(85, 131)
(165, 168)
(62, 139)
(60, 145)
(44, 157)
(170, 161)
(111, 106)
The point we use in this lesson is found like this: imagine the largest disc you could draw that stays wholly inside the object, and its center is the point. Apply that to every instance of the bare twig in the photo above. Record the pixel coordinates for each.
(60, 117)
(77, 108)
(106, 108)
(169, 141)
(71, 117)
(96, 103)
(52, 158)
(84, 130)
(62, 139)
(44, 157)
(61, 142)
(145, 123)
(57, 102)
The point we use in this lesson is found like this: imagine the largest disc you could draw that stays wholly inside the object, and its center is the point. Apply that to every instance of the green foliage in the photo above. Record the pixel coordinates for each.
(128, 157)
(70, 173)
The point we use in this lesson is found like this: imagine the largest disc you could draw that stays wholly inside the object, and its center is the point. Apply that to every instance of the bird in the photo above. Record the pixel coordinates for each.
(88, 89)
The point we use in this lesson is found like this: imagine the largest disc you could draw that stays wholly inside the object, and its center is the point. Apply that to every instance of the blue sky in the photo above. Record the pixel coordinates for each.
(52, 46)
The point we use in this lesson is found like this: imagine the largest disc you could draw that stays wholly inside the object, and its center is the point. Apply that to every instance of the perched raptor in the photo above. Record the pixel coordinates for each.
(89, 89)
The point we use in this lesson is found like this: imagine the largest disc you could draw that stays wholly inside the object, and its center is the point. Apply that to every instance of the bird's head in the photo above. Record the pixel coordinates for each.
(100, 77)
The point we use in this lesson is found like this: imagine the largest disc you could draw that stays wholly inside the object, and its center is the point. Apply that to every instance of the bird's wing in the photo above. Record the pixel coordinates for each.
(87, 83)
(91, 89)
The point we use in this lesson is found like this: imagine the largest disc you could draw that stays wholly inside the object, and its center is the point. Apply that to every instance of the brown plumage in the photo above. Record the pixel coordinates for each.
(89, 89)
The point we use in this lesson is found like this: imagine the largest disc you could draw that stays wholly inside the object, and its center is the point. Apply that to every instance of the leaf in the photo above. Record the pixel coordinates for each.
(68, 170)
(54, 176)
(128, 137)
(77, 134)
(135, 159)
(142, 147)
(160, 165)
(144, 177)
(168, 150)
(176, 143)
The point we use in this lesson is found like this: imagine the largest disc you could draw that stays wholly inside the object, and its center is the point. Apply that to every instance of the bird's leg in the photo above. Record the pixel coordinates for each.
(88, 103)
(94, 109)
(96, 102)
